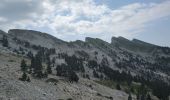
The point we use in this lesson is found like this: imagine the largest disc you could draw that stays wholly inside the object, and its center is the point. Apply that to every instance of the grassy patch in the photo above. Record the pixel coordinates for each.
(132, 88)
(108, 83)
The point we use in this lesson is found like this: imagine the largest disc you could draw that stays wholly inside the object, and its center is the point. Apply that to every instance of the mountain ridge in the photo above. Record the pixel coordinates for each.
(93, 60)
(117, 38)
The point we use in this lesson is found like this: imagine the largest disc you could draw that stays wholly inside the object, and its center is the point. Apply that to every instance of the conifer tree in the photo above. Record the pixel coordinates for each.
(23, 66)
(138, 97)
(38, 65)
(25, 77)
(129, 97)
(118, 87)
(49, 71)
(95, 74)
(148, 97)
(31, 68)
(73, 77)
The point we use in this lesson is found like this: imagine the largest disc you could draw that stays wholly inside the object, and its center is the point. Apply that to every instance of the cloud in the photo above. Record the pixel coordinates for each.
(68, 18)
(20, 9)
(2, 19)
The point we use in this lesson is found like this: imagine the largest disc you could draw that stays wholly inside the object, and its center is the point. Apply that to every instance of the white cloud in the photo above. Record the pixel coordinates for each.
(67, 18)
(2, 19)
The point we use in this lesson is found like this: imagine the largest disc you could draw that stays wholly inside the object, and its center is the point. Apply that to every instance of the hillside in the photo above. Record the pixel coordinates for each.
(45, 89)
(52, 65)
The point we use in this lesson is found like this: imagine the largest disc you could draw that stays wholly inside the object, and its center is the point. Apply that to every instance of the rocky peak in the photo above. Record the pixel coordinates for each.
(35, 37)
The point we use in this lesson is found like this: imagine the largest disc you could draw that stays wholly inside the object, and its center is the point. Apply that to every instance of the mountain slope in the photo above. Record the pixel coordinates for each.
(36, 37)
(134, 45)
(121, 61)
(12, 88)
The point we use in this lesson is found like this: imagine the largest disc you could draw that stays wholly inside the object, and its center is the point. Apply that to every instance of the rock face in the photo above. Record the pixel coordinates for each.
(131, 56)
(134, 45)
(35, 37)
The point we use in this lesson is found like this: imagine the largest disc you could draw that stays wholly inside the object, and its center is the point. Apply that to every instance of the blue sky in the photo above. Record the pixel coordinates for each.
(118, 3)
(158, 33)
(147, 20)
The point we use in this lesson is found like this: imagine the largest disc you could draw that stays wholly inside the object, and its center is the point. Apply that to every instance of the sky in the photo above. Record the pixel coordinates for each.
(146, 20)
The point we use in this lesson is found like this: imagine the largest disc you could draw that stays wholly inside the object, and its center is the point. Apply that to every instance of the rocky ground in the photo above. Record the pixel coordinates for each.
(51, 88)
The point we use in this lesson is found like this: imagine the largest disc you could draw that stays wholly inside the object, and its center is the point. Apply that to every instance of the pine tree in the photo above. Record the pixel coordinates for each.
(62, 70)
(142, 97)
(118, 87)
(38, 65)
(73, 77)
(143, 89)
(138, 97)
(148, 97)
(49, 71)
(129, 97)
(24, 77)
(95, 74)
(23, 66)
(31, 68)
(5, 41)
